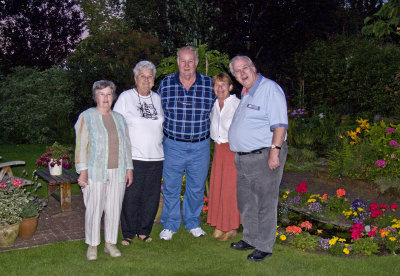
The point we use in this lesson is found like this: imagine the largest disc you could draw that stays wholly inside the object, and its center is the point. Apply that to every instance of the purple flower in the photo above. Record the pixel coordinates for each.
(324, 244)
(295, 200)
(315, 207)
(390, 130)
(394, 143)
(380, 163)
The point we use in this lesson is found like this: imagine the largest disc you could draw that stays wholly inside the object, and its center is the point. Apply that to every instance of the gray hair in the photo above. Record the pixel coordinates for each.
(251, 64)
(187, 48)
(143, 65)
(101, 84)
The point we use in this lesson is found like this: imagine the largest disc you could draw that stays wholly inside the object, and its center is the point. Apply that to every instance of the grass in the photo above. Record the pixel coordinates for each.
(185, 255)
(29, 154)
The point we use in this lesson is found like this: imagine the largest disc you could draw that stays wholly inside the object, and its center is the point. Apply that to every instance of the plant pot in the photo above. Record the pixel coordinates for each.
(28, 227)
(8, 234)
(56, 170)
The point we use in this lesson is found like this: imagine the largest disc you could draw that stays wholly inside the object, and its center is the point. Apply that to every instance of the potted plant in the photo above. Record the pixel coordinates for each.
(30, 216)
(56, 158)
(12, 201)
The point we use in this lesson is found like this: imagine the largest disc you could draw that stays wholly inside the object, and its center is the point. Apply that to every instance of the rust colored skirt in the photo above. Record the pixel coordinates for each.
(223, 212)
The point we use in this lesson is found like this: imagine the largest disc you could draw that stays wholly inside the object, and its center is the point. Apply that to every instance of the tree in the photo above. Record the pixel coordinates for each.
(109, 56)
(37, 32)
(103, 15)
(175, 22)
(386, 22)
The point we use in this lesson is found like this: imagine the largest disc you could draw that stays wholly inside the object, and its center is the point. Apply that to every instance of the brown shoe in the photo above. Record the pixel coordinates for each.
(228, 235)
(218, 233)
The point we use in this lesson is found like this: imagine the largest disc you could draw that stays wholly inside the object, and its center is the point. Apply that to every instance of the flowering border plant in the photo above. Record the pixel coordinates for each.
(57, 154)
(12, 201)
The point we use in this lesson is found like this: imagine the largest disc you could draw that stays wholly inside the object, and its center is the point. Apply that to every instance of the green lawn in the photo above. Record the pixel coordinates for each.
(185, 255)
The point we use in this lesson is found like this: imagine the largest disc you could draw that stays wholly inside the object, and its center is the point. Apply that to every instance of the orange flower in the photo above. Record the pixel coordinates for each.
(324, 196)
(306, 224)
(340, 192)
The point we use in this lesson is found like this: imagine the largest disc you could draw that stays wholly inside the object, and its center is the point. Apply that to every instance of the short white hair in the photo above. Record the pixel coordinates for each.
(143, 65)
(251, 64)
(187, 48)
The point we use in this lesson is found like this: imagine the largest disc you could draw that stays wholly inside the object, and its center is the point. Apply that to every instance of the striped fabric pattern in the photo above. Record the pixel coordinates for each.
(186, 112)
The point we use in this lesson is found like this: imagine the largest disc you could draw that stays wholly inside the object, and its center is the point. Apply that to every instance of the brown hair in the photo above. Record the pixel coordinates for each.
(222, 77)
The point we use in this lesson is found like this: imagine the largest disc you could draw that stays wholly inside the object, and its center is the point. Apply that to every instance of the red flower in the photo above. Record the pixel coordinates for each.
(306, 224)
(376, 213)
(205, 199)
(301, 187)
(340, 192)
(373, 206)
(371, 233)
(383, 207)
(205, 208)
(324, 196)
(393, 207)
(356, 231)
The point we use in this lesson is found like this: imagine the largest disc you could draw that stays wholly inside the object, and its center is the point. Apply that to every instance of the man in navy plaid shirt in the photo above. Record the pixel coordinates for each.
(187, 100)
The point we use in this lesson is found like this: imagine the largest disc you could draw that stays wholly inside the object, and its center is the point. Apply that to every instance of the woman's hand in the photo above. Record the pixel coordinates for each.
(129, 177)
(83, 178)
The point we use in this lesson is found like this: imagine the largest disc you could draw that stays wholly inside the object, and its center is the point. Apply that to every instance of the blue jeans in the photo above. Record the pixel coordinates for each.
(194, 160)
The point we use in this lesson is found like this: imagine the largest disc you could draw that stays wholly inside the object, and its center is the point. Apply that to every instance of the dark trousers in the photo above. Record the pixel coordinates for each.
(141, 199)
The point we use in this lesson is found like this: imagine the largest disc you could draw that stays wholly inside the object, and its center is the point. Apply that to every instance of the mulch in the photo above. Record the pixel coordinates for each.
(55, 226)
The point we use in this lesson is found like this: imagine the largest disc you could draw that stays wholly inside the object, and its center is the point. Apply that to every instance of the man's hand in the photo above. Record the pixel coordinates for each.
(273, 160)
(129, 178)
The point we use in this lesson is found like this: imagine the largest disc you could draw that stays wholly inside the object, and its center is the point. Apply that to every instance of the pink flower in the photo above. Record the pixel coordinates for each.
(17, 182)
(373, 206)
(393, 156)
(394, 143)
(307, 225)
(383, 207)
(393, 207)
(3, 185)
(380, 163)
(371, 233)
(376, 213)
(390, 130)
(301, 187)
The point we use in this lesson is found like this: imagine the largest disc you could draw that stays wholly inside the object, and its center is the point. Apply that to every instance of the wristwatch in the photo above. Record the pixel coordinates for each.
(275, 147)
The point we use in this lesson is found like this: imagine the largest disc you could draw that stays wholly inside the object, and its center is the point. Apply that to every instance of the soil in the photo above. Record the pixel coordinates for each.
(319, 183)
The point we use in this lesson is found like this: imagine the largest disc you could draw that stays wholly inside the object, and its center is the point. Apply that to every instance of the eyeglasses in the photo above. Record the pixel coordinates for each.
(244, 69)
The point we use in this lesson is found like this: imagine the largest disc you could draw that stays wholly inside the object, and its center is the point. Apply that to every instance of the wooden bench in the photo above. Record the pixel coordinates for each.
(64, 181)
(6, 172)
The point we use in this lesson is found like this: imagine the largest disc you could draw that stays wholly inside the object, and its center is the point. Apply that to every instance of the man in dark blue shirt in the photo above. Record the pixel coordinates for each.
(187, 100)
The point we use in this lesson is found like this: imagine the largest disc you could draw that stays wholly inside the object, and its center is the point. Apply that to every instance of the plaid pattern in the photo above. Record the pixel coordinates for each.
(186, 113)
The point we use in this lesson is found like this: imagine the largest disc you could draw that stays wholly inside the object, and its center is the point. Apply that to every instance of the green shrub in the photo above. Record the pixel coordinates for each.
(36, 106)
(305, 241)
(338, 77)
(365, 246)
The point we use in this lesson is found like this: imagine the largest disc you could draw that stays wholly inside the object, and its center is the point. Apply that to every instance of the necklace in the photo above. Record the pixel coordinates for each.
(147, 111)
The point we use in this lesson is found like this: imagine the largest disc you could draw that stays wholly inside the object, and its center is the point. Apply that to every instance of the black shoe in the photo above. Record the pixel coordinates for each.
(241, 245)
(258, 255)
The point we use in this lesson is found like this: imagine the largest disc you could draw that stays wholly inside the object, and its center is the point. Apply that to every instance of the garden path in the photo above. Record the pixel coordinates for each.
(54, 227)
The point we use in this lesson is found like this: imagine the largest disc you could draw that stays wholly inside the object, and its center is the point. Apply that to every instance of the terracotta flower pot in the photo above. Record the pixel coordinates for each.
(8, 234)
(28, 227)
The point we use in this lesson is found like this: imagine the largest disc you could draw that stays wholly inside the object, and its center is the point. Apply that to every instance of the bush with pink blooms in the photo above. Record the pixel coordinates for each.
(369, 152)
(57, 154)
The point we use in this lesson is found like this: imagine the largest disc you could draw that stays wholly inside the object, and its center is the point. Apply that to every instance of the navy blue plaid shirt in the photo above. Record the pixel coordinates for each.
(186, 113)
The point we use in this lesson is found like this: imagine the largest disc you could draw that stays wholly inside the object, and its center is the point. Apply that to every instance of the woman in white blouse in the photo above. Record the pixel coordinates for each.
(222, 207)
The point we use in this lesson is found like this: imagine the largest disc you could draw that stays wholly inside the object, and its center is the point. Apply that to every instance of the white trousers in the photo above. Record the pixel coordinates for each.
(102, 197)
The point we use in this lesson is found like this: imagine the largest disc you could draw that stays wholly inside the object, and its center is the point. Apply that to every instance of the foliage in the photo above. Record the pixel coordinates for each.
(36, 106)
(338, 77)
(385, 22)
(56, 154)
(38, 33)
(103, 15)
(33, 207)
(12, 200)
(370, 152)
(109, 56)
(356, 229)
(175, 22)
(365, 246)
(211, 62)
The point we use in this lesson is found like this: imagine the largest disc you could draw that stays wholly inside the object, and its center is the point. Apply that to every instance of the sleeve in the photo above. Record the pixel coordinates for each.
(128, 150)
(119, 105)
(277, 108)
(82, 145)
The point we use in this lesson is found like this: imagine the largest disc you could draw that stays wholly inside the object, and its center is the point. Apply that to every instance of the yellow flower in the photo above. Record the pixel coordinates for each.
(333, 241)
(358, 130)
(312, 200)
(181, 197)
(342, 240)
(277, 233)
(360, 209)
(277, 226)
(282, 237)
(284, 196)
(287, 192)
(340, 136)
(346, 244)
(363, 123)
(355, 213)
(346, 251)
(392, 238)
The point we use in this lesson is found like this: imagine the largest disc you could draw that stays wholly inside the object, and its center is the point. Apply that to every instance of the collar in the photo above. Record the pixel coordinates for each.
(255, 86)
(198, 78)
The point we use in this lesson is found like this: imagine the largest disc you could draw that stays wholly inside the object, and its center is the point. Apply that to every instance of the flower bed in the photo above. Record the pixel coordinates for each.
(330, 223)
